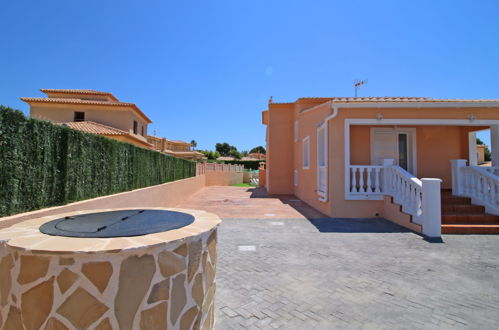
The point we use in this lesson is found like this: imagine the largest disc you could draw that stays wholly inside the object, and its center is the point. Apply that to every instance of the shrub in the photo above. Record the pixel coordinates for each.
(42, 165)
(248, 164)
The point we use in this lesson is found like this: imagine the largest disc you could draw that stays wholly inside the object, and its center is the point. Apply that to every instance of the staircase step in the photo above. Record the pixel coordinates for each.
(470, 229)
(470, 219)
(462, 209)
(453, 200)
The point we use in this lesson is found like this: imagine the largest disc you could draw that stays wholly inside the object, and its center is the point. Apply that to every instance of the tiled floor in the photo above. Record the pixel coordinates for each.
(249, 203)
(288, 272)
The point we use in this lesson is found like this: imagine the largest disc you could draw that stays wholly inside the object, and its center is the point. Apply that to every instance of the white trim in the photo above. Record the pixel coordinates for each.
(295, 178)
(305, 143)
(411, 131)
(323, 195)
(417, 105)
(426, 122)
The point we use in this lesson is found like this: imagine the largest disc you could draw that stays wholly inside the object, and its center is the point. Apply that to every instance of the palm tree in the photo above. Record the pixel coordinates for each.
(194, 144)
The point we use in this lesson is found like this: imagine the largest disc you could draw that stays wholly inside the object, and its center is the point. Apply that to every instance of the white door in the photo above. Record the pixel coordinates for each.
(397, 144)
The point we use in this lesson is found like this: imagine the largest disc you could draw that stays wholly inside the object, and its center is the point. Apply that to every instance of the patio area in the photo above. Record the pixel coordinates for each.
(283, 265)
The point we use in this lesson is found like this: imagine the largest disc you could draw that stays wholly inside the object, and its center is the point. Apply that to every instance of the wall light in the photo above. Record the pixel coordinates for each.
(379, 117)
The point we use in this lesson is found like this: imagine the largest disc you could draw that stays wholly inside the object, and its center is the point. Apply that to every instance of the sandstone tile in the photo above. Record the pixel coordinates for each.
(182, 250)
(210, 275)
(55, 324)
(135, 278)
(212, 246)
(98, 273)
(154, 318)
(104, 325)
(170, 264)
(160, 291)
(178, 297)
(66, 261)
(198, 290)
(5, 279)
(82, 309)
(32, 268)
(14, 320)
(209, 298)
(205, 260)
(66, 279)
(36, 304)
(188, 318)
(194, 258)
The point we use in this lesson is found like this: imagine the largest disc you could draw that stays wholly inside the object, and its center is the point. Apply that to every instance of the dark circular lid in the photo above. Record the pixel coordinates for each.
(117, 223)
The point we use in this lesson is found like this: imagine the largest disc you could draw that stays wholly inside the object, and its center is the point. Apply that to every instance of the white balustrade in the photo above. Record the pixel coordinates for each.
(365, 180)
(419, 198)
(202, 168)
(479, 183)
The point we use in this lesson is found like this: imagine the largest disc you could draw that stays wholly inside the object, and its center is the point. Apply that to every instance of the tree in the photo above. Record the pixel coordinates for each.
(224, 148)
(487, 153)
(259, 149)
(194, 144)
(234, 153)
(244, 153)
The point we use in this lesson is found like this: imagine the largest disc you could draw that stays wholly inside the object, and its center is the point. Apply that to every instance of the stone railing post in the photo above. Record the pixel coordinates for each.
(431, 207)
(387, 162)
(457, 176)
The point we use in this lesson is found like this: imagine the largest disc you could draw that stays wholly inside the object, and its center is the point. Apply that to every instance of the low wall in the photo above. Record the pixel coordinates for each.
(392, 212)
(163, 195)
(223, 178)
(246, 177)
(162, 280)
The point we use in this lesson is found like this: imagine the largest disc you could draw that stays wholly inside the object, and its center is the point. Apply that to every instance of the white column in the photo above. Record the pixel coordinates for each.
(494, 141)
(431, 206)
(457, 177)
(472, 149)
(387, 162)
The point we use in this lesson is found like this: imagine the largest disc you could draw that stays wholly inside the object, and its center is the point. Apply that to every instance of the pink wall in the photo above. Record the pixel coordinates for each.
(223, 178)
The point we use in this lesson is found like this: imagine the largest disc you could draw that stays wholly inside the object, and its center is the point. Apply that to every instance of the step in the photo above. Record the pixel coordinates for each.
(470, 229)
(470, 219)
(462, 209)
(450, 200)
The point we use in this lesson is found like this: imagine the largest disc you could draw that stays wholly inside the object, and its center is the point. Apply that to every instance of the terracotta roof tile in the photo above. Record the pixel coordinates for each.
(94, 128)
(386, 99)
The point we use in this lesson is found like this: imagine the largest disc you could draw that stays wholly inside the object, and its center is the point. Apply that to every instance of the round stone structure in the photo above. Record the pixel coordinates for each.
(163, 280)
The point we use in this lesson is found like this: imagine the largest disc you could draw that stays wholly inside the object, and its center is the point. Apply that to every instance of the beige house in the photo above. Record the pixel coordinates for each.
(175, 148)
(411, 160)
(92, 112)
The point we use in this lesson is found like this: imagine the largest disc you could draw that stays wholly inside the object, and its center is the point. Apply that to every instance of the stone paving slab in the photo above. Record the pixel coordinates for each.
(353, 274)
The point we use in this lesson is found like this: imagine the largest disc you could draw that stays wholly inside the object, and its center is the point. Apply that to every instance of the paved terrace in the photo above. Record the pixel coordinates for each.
(282, 265)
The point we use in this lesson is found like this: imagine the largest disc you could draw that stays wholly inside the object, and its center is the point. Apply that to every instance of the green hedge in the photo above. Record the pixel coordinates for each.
(248, 164)
(42, 165)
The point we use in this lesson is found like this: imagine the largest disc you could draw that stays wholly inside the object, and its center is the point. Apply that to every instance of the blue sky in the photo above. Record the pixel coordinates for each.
(205, 70)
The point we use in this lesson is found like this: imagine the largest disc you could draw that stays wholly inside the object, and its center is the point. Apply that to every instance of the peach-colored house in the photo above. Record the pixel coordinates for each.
(365, 157)
(175, 148)
(92, 112)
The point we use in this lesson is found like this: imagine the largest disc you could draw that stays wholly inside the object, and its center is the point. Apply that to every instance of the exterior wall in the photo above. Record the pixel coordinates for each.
(480, 150)
(393, 213)
(164, 195)
(280, 149)
(436, 146)
(120, 118)
(223, 178)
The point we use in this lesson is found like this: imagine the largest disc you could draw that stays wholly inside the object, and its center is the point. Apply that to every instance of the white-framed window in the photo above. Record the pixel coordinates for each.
(295, 177)
(306, 152)
(296, 130)
(322, 166)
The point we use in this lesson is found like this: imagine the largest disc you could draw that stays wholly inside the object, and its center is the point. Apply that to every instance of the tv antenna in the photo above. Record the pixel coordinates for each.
(357, 83)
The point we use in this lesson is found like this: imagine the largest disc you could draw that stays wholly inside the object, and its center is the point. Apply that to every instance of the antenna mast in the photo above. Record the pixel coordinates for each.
(357, 83)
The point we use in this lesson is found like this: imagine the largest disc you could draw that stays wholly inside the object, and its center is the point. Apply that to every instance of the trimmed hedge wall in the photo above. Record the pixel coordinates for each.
(42, 165)
(248, 164)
